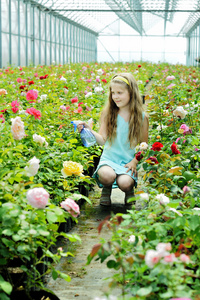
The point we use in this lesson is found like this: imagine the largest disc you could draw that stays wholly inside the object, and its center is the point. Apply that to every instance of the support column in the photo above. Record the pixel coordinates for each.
(0, 39)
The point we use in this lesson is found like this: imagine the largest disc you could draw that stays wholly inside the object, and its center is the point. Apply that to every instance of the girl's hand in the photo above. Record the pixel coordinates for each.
(81, 125)
(132, 166)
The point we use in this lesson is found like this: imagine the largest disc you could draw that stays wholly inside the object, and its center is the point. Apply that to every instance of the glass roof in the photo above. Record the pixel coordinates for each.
(140, 15)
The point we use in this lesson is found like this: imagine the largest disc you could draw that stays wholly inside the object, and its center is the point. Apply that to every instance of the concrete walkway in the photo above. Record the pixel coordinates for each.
(88, 281)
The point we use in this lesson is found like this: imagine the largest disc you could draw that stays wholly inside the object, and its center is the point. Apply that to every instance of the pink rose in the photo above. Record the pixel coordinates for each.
(186, 189)
(185, 258)
(31, 95)
(184, 127)
(152, 257)
(170, 77)
(169, 258)
(170, 86)
(71, 206)
(19, 80)
(79, 110)
(34, 112)
(38, 197)
(2, 118)
(180, 299)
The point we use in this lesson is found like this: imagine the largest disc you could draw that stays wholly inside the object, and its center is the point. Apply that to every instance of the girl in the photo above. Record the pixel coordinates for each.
(123, 124)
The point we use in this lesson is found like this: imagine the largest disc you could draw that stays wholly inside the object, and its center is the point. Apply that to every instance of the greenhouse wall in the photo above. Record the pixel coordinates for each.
(29, 35)
(193, 47)
(142, 48)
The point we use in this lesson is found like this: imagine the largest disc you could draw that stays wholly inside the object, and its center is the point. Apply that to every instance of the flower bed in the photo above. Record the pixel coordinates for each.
(46, 173)
(156, 247)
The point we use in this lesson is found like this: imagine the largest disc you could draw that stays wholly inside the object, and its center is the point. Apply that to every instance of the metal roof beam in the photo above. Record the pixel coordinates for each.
(128, 10)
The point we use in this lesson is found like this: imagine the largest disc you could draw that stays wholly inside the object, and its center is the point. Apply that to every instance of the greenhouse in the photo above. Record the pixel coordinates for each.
(42, 31)
(99, 149)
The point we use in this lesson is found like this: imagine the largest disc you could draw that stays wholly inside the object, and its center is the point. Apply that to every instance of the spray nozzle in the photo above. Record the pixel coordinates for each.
(75, 123)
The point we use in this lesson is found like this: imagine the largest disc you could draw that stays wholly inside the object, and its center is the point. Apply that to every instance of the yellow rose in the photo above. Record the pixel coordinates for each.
(180, 130)
(71, 168)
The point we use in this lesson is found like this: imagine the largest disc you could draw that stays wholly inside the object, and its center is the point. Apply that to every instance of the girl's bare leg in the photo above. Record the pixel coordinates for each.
(106, 176)
(126, 184)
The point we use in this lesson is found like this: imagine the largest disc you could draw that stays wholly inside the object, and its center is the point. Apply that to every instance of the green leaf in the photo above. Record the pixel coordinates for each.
(144, 291)
(43, 232)
(79, 196)
(173, 204)
(8, 232)
(72, 237)
(16, 237)
(4, 297)
(54, 274)
(112, 264)
(51, 217)
(194, 222)
(65, 277)
(167, 295)
(5, 286)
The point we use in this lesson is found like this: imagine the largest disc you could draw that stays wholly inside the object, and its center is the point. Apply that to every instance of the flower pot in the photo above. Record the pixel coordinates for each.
(65, 226)
(33, 295)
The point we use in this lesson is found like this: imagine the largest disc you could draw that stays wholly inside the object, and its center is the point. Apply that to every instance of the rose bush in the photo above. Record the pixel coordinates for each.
(39, 149)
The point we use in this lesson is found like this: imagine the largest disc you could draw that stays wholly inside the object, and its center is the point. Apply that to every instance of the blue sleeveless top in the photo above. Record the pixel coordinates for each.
(117, 154)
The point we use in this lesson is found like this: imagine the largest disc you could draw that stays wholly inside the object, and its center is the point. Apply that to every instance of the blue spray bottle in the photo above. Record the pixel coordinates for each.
(87, 137)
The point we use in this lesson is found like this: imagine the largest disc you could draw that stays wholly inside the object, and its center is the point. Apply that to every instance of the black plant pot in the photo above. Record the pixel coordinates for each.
(33, 295)
(65, 226)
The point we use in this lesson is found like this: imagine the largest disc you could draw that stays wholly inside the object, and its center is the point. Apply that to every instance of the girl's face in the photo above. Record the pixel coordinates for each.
(120, 95)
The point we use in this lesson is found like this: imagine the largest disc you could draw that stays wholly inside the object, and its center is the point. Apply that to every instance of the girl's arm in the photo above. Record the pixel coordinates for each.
(100, 136)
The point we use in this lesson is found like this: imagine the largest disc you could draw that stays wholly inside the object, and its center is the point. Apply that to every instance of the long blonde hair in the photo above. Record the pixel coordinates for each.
(136, 109)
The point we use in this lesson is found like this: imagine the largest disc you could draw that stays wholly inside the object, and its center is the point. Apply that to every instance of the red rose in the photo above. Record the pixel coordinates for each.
(157, 146)
(174, 149)
(31, 82)
(44, 77)
(139, 156)
(74, 100)
(104, 80)
(139, 66)
(152, 160)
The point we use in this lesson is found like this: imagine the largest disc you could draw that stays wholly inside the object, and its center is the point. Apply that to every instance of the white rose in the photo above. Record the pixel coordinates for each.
(143, 146)
(144, 196)
(161, 127)
(180, 112)
(17, 128)
(63, 78)
(162, 199)
(33, 167)
(100, 72)
(98, 89)
(39, 139)
(89, 94)
(164, 248)
(68, 72)
(175, 211)
(43, 97)
(132, 239)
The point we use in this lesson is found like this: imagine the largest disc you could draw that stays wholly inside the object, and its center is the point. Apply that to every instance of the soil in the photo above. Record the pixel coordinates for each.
(87, 281)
